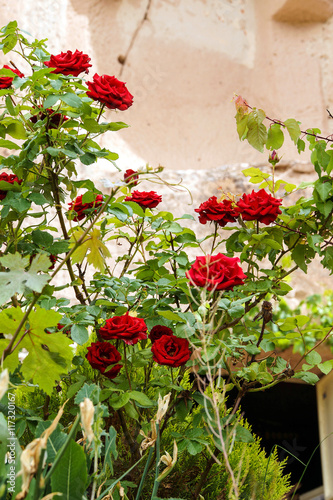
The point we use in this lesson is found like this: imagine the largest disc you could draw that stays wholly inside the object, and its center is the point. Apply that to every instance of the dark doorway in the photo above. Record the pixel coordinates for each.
(286, 415)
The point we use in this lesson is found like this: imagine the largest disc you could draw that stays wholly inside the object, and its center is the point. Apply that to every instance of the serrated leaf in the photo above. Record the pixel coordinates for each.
(326, 367)
(55, 440)
(275, 137)
(323, 189)
(18, 279)
(90, 391)
(257, 133)
(92, 244)
(16, 130)
(293, 128)
(8, 144)
(79, 334)
(49, 355)
(72, 100)
(70, 475)
(313, 358)
(141, 398)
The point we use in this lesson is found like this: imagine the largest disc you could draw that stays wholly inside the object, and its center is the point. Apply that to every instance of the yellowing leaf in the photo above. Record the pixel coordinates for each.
(92, 247)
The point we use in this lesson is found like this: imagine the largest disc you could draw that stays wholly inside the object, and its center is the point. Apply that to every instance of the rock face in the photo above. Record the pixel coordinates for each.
(183, 61)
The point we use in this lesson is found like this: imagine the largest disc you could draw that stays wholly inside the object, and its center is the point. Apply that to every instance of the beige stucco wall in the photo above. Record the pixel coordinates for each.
(186, 58)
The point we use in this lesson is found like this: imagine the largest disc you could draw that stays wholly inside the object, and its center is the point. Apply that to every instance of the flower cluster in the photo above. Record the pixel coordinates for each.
(80, 208)
(259, 206)
(10, 178)
(167, 349)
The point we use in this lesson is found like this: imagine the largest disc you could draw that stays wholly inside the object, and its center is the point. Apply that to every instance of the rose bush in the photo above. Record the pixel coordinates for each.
(210, 311)
(127, 328)
(216, 272)
(110, 92)
(171, 351)
(69, 63)
(260, 206)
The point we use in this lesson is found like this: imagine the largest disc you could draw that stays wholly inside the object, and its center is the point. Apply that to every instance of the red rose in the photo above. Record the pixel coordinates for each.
(131, 177)
(145, 199)
(216, 272)
(80, 208)
(10, 178)
(219, 212)
(110, 91)
(158, 331)
(126, 327)
(101, 355)
(68, 63)
(54, 119)
(260, 206)
(6, 81)
(170, 350)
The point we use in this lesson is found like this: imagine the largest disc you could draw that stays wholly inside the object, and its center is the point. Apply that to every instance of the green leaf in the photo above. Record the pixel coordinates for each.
(300, 145)
(140, 398)
(275, 137)
(323, 189)
(257, 133)
(171, 316)
(79, 334)
(313, 358)
(299, 255)
(51, 100)
(243, 435)
(119, 401)
(110, 448)
(8, 144)
(252, 349)
(310, 378)
(17, 279)
(72, 100)
(70, 475)
(326, 367)
(90, 391)
(16, 129)
(293, 129)
(42, 238)
(55, 440)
